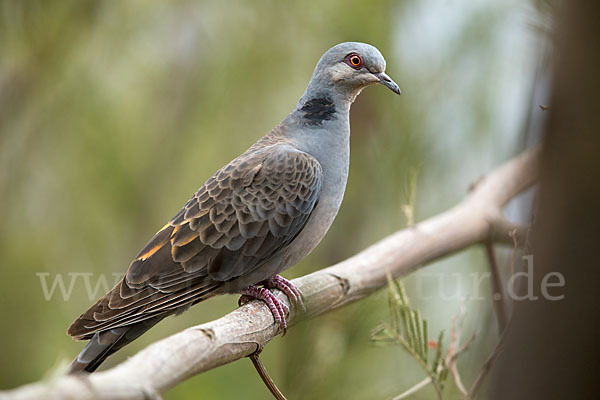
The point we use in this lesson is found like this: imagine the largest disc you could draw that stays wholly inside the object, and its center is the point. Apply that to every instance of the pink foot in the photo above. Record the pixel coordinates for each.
(277, 307)
(287, 287)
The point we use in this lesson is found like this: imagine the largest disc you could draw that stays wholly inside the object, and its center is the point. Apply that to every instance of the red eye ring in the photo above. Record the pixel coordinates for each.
(354, 60)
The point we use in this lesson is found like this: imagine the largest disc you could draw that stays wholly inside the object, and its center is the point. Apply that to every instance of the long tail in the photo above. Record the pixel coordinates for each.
(104, 343)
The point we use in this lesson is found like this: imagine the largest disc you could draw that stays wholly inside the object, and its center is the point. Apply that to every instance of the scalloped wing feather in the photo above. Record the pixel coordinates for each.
(245, 213)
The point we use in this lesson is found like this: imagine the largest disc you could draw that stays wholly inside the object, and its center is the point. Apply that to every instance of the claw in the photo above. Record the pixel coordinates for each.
(244, 299)
(277, 307)
(287, 287)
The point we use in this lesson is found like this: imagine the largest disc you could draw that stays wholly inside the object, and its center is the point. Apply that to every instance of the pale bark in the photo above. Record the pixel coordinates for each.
(162, 365)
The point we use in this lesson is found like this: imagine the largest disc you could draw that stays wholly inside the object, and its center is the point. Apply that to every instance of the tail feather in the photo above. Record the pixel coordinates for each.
(104, 343)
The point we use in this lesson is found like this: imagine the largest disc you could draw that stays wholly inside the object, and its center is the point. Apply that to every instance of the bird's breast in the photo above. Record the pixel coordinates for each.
(334, 159)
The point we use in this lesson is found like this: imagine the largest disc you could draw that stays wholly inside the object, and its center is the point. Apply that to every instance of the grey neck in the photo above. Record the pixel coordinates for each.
(320, 126)
(321, 103)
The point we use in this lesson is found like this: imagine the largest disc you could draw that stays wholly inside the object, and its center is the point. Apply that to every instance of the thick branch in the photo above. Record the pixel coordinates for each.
(164, 364)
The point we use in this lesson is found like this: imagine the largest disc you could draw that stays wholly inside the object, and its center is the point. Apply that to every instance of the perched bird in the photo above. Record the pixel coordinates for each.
(254, 218)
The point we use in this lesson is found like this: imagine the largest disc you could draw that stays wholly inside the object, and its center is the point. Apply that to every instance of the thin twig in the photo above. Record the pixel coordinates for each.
(417, 357)
(486, 368)
(451, 358)
(498, 293)
(464, 347)
(264, 375)
(502, 310)
(413, 389)
(513, 235)
(454, 351)
(455, 329)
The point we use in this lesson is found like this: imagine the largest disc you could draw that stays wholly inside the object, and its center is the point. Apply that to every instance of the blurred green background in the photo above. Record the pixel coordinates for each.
(112, 113)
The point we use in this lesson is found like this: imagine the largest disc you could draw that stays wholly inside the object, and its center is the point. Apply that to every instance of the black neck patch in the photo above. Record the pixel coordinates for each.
(317, 110)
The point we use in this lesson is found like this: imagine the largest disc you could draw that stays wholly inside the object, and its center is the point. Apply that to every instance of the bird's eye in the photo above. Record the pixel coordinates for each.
(354, 61)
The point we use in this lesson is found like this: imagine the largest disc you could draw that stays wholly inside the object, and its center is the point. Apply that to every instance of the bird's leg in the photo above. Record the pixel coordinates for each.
(287, 287)
(277, 307)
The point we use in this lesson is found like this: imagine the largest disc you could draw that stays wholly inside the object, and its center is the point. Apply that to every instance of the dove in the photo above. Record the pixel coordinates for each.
(254, 218)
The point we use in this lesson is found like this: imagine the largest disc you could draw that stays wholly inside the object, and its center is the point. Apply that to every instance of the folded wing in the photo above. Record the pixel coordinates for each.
(245, 213)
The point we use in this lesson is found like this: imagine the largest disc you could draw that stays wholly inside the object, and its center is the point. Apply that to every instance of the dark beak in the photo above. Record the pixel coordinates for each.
(387, 82)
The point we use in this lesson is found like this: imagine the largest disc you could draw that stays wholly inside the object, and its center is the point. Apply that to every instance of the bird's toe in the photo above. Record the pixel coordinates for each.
(278, 309)
(287, 287)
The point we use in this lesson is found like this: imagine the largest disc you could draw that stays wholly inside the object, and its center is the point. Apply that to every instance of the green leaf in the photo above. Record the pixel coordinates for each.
(438, 354)
(426, 340)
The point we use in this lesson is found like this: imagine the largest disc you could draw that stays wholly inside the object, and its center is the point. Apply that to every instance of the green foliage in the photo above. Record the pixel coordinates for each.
(409, 330)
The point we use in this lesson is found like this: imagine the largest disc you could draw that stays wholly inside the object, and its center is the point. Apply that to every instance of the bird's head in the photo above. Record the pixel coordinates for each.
(351, 66)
